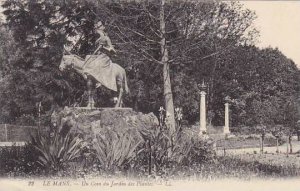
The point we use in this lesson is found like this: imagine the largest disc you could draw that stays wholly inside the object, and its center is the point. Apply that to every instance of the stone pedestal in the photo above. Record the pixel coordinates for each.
(226, 126)
(89, 122)
(202, 113)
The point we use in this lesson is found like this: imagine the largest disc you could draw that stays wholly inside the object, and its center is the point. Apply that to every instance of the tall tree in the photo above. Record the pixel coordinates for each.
(33, 74)
(260, 82)
(166, 68)
(175, 36)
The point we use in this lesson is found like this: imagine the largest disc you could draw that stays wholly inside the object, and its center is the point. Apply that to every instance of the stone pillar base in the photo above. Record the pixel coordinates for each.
(226, 130)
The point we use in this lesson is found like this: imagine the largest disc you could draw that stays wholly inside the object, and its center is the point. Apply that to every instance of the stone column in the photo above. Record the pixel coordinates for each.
(202, 113)
(226, 127)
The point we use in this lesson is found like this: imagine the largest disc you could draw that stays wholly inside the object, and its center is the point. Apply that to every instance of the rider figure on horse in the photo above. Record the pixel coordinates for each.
(104, 45)
(103, 42)
(98, 67)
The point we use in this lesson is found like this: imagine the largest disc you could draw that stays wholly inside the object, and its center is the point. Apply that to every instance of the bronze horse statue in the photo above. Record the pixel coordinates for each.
(102, 70)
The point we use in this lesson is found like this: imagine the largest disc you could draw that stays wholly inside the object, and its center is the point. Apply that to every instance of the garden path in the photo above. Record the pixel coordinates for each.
(282, 149)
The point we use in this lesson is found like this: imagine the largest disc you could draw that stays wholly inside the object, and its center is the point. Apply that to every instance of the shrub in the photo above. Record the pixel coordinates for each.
(164, 152)
(115, 149)
(18, 161)
(162, 149)
(167, 151)
(56, 152)
(201, 151)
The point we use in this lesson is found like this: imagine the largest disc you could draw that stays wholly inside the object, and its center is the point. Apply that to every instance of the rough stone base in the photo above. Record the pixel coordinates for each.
(89, 122)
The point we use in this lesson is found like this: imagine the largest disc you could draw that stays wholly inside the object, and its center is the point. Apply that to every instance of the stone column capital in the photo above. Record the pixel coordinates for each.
(202, 93)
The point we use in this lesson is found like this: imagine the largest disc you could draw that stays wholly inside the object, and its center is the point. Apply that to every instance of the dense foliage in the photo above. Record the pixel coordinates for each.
(263, 86)
(19, 161)
(246, 167)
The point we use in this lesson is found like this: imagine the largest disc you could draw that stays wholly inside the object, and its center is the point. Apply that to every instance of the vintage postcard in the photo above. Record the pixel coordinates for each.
(149, 95)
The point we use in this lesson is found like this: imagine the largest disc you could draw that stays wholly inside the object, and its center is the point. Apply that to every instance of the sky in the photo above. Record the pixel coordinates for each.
(279, 25)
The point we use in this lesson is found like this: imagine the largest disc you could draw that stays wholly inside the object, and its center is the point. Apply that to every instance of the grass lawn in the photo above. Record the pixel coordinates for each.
(241, 141)
(278, 160)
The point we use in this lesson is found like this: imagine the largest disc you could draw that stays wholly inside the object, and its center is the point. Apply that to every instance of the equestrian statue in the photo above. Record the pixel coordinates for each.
(100, 68)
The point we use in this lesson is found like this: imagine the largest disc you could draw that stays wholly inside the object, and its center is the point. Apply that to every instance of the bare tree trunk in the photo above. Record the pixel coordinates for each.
(166, 71)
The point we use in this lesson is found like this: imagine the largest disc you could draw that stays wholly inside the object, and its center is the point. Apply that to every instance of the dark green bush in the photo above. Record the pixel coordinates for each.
(56, 152)
(162, 152)
(18, 161)
(114, 149)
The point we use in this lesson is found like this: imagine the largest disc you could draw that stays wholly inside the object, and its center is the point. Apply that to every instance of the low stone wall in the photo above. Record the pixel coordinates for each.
(16, 133)
(215, 129)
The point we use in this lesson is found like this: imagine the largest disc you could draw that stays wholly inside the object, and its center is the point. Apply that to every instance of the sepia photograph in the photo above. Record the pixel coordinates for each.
(149, 95)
